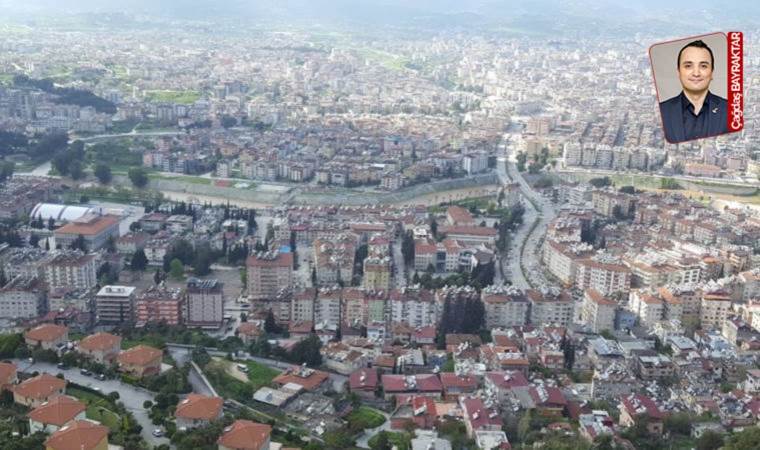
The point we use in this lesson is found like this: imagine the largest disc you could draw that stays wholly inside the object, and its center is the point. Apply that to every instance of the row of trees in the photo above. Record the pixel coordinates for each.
(461, 316)
(66, 96)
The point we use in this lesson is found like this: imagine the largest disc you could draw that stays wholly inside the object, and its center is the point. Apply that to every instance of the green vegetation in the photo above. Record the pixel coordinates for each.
(9, 343)
(385, 439)
(181, 97)
(67, 96)
(181, 178)
(364, 417)
(669, 184)
(260, 375)
(138, 176)
(225, 384)
(104, 416)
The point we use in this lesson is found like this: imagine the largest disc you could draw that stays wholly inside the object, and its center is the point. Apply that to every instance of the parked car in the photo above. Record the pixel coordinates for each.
(158, 432)
(62, 366)
(101, 376)
(85, 372)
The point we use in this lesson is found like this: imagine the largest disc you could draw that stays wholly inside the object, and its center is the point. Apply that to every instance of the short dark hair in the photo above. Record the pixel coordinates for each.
(699, 43)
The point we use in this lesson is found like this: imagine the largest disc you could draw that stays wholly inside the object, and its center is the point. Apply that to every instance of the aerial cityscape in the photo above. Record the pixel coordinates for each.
(377, 224)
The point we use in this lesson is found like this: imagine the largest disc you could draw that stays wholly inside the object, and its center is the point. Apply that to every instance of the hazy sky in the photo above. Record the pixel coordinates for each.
(699, 15)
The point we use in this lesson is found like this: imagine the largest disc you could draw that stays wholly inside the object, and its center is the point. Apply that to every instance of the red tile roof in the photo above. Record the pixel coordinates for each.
(199, 407)
(91, 228)
(245, 435)
(57, 411)
(141, 355)
(637, 404)
(8, 372)
(478, 416)
(363, 380)
(413, 383)
(40, 386)
(452, 380)
(310, 379)
(100, 342)
(46, 332)
(508, 379)
(77, 435)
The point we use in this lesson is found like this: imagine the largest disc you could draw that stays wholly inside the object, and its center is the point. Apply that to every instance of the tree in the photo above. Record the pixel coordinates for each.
(79, 244)
(600, 182)
(103, 173)
(6, 170)
(270, 324)
(75, 170)
(176, 269)
(338, 439)
(745, 440)
(627, 190)
(407, 247)
(34, 240)
(434, 228)
(710, 440)
(314, 277)
(307, 351)
(202, 261)
(139, 261)
(138, 176)
(382, 442)
(157, 277)
(522, 158)
(228, 121)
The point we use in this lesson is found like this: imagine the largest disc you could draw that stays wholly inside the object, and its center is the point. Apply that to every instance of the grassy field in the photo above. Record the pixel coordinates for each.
(365, 417)
(104, 416)
(97, 408)
(402, 441)
(182, 178)
(259, 374)
(151, 341)
(182, 97)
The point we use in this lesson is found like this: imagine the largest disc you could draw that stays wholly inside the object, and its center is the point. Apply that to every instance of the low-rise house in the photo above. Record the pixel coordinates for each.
(54, 414)
(101, 347)
(140, 361)
(8, 375)
(478, 417)
(309, 379)
(595, 424)
(47, 336)
(549, 401)
(428, 385)
(492, 440)
(248, 332)
(340, 358)
(38, 390)
(79, 435)
(416, 410)
(197, 410)
(455, 385)
(502, 383)
(364, 382)
(245, 435)
(633, 407)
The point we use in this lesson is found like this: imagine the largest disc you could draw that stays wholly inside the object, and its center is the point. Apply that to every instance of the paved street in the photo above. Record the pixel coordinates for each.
(132, 397)
(524, 265)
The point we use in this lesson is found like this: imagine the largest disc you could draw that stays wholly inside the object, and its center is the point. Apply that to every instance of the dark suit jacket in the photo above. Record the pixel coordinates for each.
(672, 117)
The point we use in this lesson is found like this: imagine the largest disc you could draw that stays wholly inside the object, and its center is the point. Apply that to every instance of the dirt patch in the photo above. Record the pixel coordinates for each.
(232, 369)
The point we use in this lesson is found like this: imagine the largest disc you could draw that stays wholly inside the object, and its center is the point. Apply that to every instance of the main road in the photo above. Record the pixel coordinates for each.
(524, 268)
